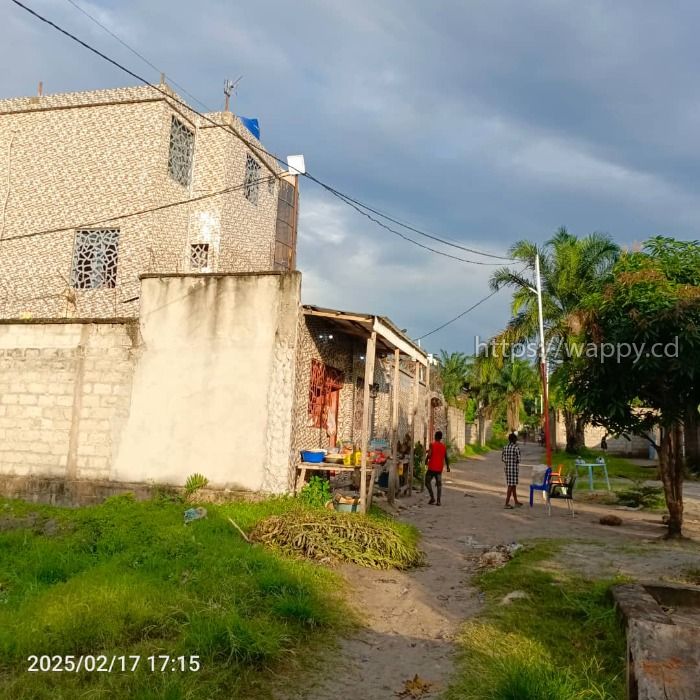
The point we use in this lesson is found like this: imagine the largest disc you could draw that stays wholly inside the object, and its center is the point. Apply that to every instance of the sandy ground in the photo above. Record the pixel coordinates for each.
(412, 618)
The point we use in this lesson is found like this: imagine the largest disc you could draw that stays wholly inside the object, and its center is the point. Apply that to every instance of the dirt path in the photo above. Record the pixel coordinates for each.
(413, 617)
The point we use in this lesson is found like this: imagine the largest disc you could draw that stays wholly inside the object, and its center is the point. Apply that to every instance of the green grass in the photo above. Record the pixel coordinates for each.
(471, 451)
(564, 642)
(618, 467)
(129, 577)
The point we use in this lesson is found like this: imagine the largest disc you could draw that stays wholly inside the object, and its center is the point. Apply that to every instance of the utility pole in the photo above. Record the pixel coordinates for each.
(543, 364)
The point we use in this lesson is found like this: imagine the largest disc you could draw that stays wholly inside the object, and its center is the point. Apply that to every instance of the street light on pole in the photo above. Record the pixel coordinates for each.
(543, 363)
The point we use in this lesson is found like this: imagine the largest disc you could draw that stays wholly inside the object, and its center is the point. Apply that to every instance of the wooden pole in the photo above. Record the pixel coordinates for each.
(369, 379)
(428, 407)
(412, 423)
(393, 470)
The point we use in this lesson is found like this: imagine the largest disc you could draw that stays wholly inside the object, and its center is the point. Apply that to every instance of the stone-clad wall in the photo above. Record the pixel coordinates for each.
(346, 353)
(74, 160)
(338, 352)
(64, 397)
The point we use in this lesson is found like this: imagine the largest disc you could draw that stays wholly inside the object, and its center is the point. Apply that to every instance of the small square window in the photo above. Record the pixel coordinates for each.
(252, 178)
(181, 152)
(199, 256)
(95, 259)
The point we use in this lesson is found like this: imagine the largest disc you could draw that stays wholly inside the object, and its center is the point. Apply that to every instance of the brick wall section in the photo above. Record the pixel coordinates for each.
(64, 395)
(76, 159)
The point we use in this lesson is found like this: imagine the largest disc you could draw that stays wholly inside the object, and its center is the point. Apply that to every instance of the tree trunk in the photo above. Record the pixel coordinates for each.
(574, 431)
(513, 414)
(580, 432)
(691, 428)
(671, 469)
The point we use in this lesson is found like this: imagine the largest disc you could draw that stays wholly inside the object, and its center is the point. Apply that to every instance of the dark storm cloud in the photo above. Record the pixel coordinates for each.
(483, 121)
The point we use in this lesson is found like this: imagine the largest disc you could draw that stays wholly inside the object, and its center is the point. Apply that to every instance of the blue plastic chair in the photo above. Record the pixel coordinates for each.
(544, 486)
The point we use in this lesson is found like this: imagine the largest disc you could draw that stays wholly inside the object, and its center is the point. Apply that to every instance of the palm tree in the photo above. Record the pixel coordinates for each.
(454, 370)
(504, 387)
(570, 268)
(518, 380)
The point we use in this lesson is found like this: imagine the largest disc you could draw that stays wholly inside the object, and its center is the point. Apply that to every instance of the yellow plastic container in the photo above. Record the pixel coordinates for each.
(357, 458)
(347, 459)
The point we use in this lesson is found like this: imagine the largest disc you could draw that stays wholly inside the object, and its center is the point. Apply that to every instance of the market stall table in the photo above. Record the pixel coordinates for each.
(303, 467)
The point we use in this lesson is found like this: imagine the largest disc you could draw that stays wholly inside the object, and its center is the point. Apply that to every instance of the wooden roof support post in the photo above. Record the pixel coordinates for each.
(393, 468)
(428, 409)
(369, 379)
(412, 423)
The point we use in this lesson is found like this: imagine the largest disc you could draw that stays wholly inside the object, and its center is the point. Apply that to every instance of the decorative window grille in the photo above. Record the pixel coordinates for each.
(252, 176)
(95, 259)
(324, 381)
(199, 256)
(285, 230)
(181, 152)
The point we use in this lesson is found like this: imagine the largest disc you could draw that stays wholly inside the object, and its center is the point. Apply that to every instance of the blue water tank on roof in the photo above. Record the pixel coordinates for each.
(252, 125)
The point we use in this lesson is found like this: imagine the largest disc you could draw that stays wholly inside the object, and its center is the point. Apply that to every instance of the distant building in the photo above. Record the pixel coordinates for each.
(74, 163)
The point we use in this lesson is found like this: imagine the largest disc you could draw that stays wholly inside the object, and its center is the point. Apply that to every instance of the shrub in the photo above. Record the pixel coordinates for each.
(316, 493)
(194, 483)
(641, 496)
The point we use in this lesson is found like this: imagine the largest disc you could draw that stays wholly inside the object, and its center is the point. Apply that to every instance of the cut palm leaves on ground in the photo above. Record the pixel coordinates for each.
(337, 537)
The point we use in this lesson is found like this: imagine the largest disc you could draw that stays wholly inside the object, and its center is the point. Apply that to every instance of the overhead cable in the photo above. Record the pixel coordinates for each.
(257, 148)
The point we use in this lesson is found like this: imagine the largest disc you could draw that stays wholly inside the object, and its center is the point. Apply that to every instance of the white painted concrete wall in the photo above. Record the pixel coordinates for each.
(213, 387)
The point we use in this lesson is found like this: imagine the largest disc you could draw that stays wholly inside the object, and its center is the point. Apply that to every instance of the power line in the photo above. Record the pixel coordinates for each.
(408, 238)
(356, 204)
(456, 318)
(445, 241)
(141, 212)
(135, 52)
(466, 311)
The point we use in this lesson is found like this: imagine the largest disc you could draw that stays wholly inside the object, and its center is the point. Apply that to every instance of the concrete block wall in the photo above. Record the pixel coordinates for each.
(634, 446)
(202, 382)
(64, 396)
(456, 428)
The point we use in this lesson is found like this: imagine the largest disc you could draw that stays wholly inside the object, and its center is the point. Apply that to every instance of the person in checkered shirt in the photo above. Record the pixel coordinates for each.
(510, 456)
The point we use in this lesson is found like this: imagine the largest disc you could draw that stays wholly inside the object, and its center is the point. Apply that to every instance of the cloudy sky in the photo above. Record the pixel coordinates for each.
(484, 121)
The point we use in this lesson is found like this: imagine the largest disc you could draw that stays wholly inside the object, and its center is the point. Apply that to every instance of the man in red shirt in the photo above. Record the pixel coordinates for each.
(436, 460)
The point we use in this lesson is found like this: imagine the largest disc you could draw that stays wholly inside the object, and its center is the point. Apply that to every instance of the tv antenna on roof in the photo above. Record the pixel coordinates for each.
(230, 87)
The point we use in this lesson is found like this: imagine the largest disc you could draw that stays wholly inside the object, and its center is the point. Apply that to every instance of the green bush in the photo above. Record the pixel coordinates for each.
(194, 483)
(418, 460)
(316, 493)
(641, 496)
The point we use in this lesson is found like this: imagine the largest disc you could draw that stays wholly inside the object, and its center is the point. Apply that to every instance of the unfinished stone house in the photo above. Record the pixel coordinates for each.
(100, 187)
(151, 323)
